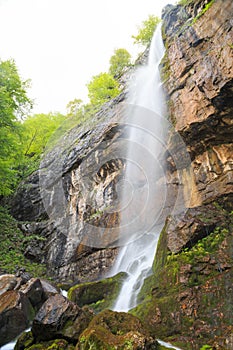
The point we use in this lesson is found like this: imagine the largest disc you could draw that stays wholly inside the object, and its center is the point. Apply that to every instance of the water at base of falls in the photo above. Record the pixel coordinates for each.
(138, 231)
(138, 268)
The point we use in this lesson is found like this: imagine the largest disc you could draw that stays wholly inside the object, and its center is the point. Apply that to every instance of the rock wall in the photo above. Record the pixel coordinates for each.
(188, 299)
(72, 199)
(199, 71)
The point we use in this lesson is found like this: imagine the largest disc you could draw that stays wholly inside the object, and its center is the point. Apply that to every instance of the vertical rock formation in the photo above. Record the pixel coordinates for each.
(191, 285)
(72, 200)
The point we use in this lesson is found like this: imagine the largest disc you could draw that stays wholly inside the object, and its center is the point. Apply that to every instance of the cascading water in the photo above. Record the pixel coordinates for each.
(142, 197)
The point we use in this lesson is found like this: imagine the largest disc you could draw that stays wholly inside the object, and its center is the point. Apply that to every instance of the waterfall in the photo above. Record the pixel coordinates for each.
(143, 191)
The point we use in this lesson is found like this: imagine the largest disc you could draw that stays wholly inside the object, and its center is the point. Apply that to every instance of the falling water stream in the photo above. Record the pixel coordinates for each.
(142, 197)
(145, 141)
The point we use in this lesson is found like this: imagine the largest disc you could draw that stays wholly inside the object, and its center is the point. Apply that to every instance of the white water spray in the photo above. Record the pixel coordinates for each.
(142, 197)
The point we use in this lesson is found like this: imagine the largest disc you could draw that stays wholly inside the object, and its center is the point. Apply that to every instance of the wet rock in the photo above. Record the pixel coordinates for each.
(16, 312)
(48, 289)
(185, 230)
(7, 282)
(60, 318)
(33, 290)
(26, 342)
(199, 85)
(117, 330)
(98, 295)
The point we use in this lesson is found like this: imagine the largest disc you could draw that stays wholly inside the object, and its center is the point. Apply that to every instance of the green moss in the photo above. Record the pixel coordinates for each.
(165, 70)
(13, 244)
(206, 8)
(115, 330)
(98, 295)
(27, 342)
(191, 22)
(24, 341)
(169, 303)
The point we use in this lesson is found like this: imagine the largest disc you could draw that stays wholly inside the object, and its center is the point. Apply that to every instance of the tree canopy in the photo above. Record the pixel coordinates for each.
(14, 104)
(102, 88)
(119, 62)
(37, 130)
(146, 31)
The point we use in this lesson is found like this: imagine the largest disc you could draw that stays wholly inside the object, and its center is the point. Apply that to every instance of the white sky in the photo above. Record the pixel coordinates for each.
(61, 44)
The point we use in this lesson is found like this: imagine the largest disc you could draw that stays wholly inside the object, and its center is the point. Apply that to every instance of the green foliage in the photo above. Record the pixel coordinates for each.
(102, 88)
(206, 347)
(13, 244)
(37, 130)
(146, 31)
(119, 62)
(14, 104)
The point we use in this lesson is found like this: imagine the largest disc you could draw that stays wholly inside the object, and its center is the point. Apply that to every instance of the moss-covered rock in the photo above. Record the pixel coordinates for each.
(27, 342)
(111, 330)
(99, 295)
(188, 299)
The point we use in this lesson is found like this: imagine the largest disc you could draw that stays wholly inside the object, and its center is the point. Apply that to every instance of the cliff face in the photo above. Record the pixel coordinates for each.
(191, 286)
(73, 200)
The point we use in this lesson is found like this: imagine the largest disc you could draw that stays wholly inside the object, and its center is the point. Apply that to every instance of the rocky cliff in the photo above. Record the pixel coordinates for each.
(191, 286)
(73, 200)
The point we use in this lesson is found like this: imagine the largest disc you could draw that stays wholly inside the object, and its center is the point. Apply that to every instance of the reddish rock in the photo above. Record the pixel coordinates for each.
(15, 315)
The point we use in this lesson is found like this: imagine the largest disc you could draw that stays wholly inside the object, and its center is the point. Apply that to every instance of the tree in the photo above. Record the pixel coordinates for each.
(14, 104)
(102, 88)
(146, 31)
(119, 61)
(37, 130)
(74, 107)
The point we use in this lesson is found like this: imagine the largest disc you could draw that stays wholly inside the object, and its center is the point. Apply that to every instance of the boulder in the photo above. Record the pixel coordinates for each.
(33, 290)
(16, 312)
(100, 294)
(7, 282)
(26, 342)
(116, 330)
(60, 318)
(48, 289)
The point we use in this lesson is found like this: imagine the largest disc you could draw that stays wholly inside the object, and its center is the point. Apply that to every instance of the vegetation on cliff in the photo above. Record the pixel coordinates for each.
(13, 245)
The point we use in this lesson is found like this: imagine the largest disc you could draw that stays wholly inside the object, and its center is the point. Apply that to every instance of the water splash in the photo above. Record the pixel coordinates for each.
(144, 193)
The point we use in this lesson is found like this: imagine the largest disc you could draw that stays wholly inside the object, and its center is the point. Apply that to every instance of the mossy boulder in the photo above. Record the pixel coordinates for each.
(111, 330)
(27, 342)
(188, 299)
(99, 295)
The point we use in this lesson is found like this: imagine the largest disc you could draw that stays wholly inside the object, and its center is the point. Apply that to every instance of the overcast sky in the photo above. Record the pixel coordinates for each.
(61, 44)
